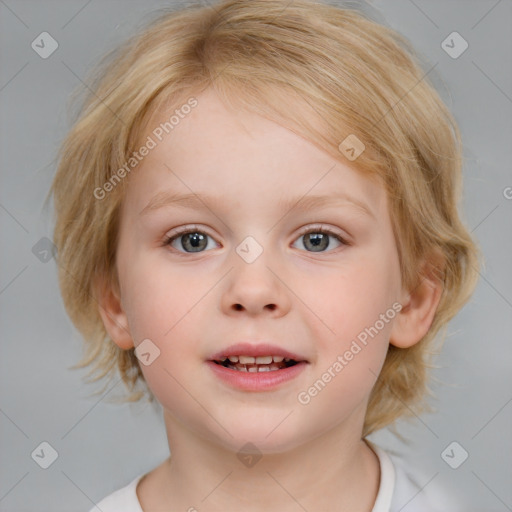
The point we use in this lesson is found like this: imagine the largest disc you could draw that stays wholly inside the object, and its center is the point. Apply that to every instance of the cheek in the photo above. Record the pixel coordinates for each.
(354, 297)
(357, 304)
(163, 313)
(157, 296)
(349, 361)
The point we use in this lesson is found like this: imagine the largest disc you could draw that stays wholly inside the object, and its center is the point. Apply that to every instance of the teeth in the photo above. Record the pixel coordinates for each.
(257, 360)
(255, 364)
(264, 360)
(254, 368)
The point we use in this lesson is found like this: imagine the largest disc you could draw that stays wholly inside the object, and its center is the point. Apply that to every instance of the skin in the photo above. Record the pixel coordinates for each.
(193, 304)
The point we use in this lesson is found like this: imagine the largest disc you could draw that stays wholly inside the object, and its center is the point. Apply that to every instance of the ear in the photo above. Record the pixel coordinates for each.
(112, 313)
(419, 305)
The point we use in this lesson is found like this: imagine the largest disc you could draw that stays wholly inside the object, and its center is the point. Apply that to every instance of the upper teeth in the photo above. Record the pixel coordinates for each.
(257, 360)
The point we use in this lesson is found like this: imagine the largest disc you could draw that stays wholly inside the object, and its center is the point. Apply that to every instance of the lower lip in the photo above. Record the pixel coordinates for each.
(256, 381)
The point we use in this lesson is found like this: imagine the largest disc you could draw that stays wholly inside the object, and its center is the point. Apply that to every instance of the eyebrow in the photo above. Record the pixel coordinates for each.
(168, 198)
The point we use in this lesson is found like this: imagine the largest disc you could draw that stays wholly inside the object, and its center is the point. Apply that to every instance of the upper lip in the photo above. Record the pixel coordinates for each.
(261, 349)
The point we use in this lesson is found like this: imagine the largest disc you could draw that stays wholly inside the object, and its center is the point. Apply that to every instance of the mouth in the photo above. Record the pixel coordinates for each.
(256, 367)
(257, 364)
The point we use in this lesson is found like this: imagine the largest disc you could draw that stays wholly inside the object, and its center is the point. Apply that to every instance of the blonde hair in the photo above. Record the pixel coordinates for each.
(351, 75)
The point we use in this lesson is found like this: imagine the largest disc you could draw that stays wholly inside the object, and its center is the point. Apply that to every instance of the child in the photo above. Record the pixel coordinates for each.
(256, 217)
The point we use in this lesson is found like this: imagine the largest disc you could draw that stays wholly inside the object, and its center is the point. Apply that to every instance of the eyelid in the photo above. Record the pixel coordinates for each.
(309, 228)
(344, 238)
(173, 234)
(305, 229)
(186, 229)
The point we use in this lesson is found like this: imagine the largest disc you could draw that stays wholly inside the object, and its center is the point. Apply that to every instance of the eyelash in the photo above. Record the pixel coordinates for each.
(195, 229)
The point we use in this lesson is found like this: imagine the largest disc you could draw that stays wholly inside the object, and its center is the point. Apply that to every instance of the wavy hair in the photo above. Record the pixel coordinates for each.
(351, 76)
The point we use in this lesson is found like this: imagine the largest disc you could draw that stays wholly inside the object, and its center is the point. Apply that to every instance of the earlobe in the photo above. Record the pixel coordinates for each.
(418, 308)
(113, 316)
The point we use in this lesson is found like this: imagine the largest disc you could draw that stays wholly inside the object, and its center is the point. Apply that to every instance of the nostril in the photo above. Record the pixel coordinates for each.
(239, 307)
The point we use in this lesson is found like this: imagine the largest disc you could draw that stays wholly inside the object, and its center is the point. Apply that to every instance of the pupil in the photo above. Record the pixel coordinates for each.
(193, 241)
(318, 240)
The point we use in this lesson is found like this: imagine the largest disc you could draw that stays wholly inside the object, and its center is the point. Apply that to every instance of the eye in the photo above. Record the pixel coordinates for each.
(314, 239)
(318, 239)
(189, 240)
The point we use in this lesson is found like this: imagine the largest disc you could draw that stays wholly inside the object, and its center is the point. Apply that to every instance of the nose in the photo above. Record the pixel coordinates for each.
(255, 288)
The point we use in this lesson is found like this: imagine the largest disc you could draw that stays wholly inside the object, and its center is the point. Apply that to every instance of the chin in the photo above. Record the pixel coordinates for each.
(268, 436)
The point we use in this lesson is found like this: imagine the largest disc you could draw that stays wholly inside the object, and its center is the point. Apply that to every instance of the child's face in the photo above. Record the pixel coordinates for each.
(301, 294)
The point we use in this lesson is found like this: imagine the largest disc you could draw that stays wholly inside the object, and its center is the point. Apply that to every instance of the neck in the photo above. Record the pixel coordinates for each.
(331, 472)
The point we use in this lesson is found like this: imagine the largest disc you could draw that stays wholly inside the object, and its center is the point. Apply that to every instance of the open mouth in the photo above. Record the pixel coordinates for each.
(256, 364)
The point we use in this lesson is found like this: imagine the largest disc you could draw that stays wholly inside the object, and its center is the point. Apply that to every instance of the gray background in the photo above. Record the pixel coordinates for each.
(102, 446)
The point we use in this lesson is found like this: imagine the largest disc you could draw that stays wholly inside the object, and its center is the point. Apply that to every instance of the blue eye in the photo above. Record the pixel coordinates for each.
(193, 240)
(318, 239)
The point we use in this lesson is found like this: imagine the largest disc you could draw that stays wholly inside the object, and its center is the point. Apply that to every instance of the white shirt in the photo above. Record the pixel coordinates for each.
(398, 492)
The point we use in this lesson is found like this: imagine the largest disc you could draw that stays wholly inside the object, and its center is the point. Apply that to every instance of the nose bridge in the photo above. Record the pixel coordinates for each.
(250, 250)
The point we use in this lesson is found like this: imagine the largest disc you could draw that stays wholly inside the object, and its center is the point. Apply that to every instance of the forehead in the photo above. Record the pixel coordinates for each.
(240, 157)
